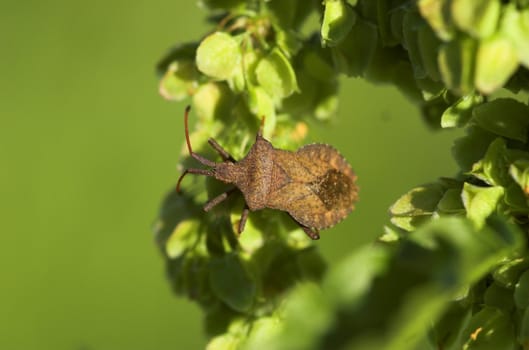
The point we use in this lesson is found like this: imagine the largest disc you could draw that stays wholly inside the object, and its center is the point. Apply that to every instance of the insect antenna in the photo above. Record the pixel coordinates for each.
(197, 156)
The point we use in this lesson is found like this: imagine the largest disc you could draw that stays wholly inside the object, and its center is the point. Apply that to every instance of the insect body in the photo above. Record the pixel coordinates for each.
(314, 185)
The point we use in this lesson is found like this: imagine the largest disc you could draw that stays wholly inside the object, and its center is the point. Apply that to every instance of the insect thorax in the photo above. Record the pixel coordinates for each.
(255, 174)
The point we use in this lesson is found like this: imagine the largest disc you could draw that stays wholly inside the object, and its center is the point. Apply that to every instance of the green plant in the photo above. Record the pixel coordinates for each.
(452, 268)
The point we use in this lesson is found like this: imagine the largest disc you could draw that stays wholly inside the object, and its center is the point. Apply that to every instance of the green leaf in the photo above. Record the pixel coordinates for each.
(303, 102)
(312, 266)
(479, 18)
(414, 208)
(471, 148)
(390, 303)
(451, 202)
(212, 100)
(419, 201)
(455, 255)
(179, 81)
(391, 234)
(290, 14)
(412, 24)
(509, 273)
(429, 88)
(460, 112)
(345, 288)
(189, 277)
(184, 234)
(521, 291)
(428, 46)
(435, 13)
(218, 56)
(434, 106)
(518, 82)
(490, 328)
(494, 167)
(338, 19)
(445, 333)
(262, 105)
(288, 41)
(184, 52)
(499, 297)
(318, 66)
(224, 342)
(515, 198)
(244, 74)
(456, 63)
(396, 23)
(402, 75)
(221, 4)
(385, 10)
(480, 202)
(231, 282)
(419, 308)
(276, 75)
(515, 26)
(523, 332)
(409, 223)
(496, 62)
(307, 315)
(366, 9)
(467, 253)
(262, 330)
(249, 62)
(519, 171)
(176, 208)
(252, 239)
(504, 117)
(355, 53)
(327, 101)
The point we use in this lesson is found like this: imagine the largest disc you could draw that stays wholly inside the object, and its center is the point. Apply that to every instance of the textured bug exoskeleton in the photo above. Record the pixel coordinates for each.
(315, 185)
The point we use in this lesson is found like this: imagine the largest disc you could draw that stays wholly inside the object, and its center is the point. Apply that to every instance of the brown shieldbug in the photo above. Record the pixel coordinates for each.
(314, 185)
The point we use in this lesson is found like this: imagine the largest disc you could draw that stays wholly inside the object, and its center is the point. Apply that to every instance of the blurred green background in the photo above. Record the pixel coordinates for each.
(88, 150)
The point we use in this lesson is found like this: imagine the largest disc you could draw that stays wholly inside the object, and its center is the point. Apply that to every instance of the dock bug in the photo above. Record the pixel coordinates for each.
(314, 185)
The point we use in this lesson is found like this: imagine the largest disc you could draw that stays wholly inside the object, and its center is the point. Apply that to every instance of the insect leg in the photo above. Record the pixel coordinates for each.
(221, 197)
(244, 217)
(223, 153)
(192, 171)
(312, 233)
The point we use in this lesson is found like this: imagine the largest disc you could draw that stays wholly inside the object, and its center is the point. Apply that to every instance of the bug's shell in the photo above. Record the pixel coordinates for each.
(315, 184)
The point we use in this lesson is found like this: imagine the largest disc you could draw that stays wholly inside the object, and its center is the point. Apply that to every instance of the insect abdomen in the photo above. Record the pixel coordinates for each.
(318, 187)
